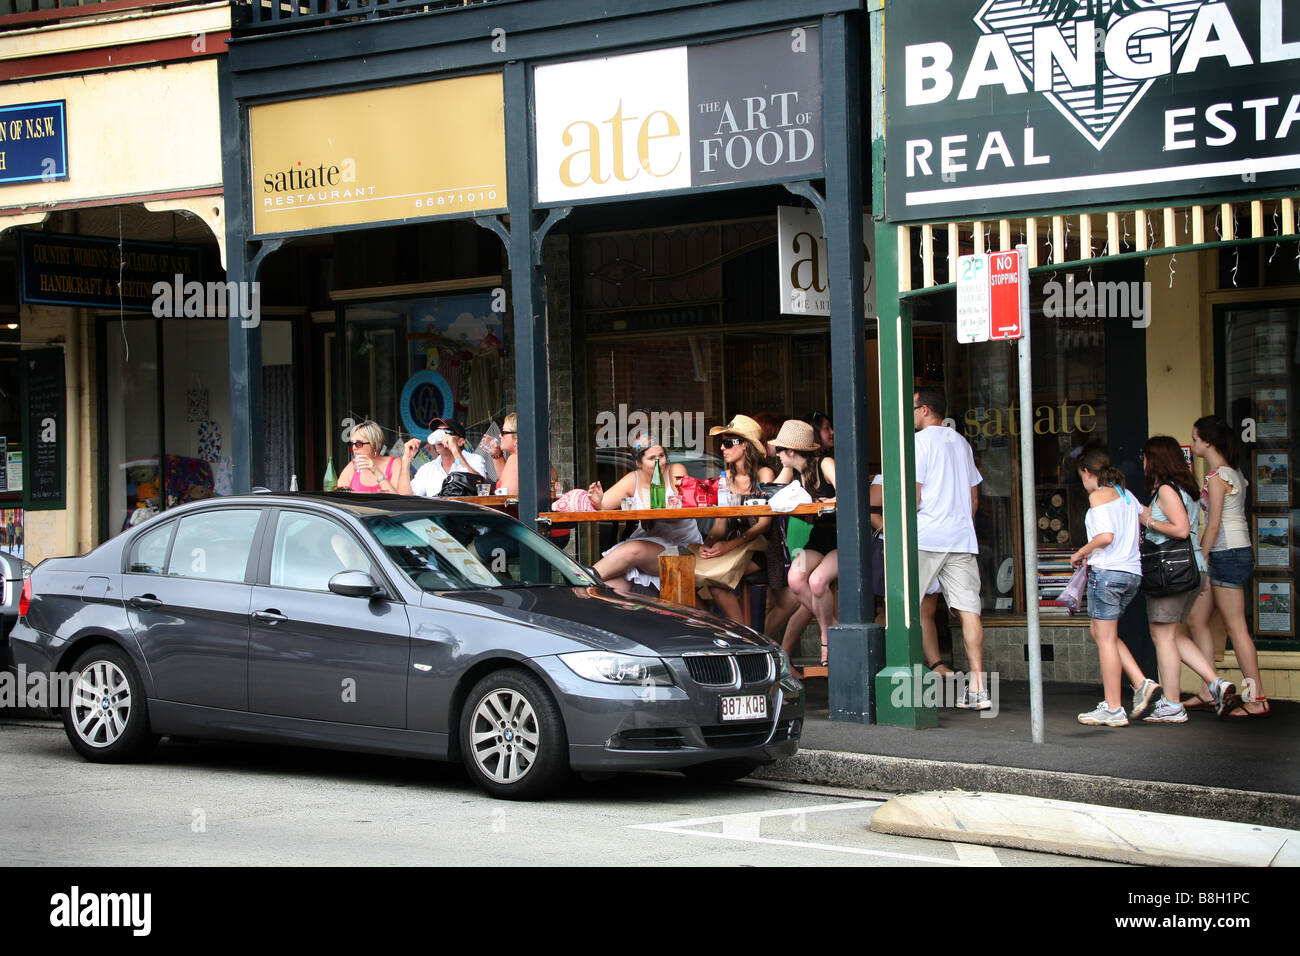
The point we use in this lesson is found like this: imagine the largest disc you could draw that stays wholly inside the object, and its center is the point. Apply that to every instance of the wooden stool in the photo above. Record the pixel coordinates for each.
(677, 578)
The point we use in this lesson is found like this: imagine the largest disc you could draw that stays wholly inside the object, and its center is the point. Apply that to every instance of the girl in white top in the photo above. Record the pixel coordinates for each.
(1114, 576)
(1225, 542)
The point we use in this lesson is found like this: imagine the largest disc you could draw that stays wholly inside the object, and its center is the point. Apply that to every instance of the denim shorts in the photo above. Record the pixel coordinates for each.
(1110, 592)
(1231, 568)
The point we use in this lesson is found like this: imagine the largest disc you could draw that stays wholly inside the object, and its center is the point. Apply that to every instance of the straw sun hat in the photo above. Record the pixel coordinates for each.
(796, 435)
(744, 427)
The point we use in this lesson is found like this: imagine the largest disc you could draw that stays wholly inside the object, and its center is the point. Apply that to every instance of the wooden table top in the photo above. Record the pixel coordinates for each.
(671, 514)
(491, 501)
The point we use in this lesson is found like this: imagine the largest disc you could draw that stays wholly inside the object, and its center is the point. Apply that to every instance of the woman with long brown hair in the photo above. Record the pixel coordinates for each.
(1114, 575)
(1226, 546)
(1173, 515)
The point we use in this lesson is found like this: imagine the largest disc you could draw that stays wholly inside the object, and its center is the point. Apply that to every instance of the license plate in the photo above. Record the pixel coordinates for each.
(748, 707)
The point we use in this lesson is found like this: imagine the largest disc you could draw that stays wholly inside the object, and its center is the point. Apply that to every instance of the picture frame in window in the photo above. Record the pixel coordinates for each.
(1271, 420)
(1270, 474)
(1274, 610)
(1272, 535)
(1270, 348)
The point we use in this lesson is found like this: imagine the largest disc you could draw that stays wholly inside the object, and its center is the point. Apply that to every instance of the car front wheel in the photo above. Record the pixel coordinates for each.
(105, 717)
(512, 736)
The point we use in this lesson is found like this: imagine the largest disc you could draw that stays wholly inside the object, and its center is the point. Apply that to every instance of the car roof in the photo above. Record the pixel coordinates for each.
(359, 505)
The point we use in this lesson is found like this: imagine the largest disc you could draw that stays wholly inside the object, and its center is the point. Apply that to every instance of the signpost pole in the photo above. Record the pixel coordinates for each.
(1028, 510)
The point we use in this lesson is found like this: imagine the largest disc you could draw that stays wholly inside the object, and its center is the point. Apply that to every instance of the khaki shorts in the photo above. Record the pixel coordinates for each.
(958, 575)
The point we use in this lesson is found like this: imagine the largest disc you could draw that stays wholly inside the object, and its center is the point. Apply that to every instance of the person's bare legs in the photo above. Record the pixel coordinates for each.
(1232, 605)
(823, 597)
(1169, 663)
(727, 602)
(1198, 624)
(794, 629)
(1106, 634)
(643, 555)
(784, 603)
(972, 638)
(930, 634)
(1128, 663)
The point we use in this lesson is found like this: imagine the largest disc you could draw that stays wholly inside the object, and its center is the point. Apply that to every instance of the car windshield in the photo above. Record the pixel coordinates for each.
(456, 552)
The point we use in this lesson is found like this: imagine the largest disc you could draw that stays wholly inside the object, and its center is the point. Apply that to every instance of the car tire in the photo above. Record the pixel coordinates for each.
(106, 717)
(723, 771)
(512, 737)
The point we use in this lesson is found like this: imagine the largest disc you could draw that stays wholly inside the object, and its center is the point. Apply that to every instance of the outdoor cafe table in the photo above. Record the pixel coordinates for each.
(677, 572)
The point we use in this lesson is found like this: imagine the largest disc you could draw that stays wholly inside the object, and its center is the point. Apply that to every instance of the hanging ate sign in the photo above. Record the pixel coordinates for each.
(992, 297)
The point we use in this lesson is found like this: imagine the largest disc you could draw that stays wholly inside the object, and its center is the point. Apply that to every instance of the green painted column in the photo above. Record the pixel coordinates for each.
(898, 691)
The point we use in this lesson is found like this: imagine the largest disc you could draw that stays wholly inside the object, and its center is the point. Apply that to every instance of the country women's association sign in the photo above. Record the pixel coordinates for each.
(998, 106)
(738, 111)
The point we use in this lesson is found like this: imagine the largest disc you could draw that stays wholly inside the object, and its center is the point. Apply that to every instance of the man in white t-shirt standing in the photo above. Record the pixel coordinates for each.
(448, 441)
(947, 494)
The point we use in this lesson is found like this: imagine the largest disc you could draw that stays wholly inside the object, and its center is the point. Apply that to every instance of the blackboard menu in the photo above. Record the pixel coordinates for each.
(43, 423)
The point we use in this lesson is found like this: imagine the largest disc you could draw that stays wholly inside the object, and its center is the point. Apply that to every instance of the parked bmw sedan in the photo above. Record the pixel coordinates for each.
(394, 625)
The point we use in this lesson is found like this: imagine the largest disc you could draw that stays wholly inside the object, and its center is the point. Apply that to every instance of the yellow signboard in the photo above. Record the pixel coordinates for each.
(407, 152)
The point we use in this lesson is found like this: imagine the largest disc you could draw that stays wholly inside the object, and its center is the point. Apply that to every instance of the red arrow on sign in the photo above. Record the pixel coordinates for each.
(1005, 281)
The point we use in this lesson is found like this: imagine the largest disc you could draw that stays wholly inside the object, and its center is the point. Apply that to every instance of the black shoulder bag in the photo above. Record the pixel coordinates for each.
(1168, 568)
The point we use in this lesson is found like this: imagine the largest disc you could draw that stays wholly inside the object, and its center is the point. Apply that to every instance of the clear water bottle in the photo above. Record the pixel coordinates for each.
(293, 482)
(724, 491)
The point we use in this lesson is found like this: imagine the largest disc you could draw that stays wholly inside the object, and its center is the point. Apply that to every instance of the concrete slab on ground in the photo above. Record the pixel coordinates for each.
(1078, 829)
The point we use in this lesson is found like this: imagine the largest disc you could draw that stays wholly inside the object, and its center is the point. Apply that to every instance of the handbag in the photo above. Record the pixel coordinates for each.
(1072, 596)
(1168, 568)
(459, 484)
(699, 493)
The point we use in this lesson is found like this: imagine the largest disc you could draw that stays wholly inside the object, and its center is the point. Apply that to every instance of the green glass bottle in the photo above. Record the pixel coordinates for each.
(331, 479)
(658, 498)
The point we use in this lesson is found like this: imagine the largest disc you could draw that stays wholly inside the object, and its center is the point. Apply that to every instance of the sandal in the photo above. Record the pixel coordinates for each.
(1241, 711)
(825, 654)
(935, 665)
(1196, 702)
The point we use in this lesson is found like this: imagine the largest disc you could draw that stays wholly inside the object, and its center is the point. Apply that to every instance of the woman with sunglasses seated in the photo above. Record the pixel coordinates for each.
(508, 474)
(370, 470)
(734, 545)
(636, 560)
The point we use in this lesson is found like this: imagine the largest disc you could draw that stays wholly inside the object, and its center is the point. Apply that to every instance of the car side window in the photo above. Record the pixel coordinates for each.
(214, 545)
(150, 550)
(309, 550)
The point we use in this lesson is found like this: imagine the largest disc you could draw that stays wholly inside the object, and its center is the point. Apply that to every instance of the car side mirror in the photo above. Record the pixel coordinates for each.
(355, 584)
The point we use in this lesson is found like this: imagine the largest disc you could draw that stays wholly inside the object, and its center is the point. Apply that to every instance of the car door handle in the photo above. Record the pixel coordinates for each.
(145, 600)
(270, 616)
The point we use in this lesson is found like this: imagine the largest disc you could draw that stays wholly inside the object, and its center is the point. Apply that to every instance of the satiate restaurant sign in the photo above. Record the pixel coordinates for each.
(407, 152)
(739, 111)
(997, 106)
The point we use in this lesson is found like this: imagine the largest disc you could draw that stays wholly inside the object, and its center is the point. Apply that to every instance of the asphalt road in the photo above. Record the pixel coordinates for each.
(220, 804)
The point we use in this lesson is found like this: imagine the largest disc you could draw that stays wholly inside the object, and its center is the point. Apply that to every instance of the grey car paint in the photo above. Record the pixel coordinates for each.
(411, 655)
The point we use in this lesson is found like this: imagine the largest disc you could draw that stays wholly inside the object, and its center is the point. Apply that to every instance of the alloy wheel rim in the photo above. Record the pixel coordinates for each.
(504, 736)
(101, 704)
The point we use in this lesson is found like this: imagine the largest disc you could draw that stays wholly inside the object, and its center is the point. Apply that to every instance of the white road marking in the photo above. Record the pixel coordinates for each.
(974, 854)
(744, 828)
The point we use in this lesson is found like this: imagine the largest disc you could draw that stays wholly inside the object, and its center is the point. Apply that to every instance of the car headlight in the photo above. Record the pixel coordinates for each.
(610, 668)
(783, 664)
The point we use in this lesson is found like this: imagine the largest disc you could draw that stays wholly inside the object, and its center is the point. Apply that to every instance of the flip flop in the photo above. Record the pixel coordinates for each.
(1195, 703)
(1241, 711)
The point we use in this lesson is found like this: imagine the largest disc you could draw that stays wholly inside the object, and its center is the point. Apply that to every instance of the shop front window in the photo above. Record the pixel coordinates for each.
(1070, 410)
(1258, 379)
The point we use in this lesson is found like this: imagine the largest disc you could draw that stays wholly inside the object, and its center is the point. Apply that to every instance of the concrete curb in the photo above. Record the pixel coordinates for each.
(1077, 829)
(912, 775)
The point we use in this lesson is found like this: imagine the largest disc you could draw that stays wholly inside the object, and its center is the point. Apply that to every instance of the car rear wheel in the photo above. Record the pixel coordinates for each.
(724, 771)
(105, 717)
(512, 736)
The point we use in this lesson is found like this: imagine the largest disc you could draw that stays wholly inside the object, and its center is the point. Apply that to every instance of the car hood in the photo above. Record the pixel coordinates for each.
(600, 618)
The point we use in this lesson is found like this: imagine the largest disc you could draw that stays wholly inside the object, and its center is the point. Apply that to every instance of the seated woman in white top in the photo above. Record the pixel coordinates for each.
(636, 560)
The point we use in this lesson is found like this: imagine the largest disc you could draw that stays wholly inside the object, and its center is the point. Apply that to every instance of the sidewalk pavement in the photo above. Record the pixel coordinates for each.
(1235, 768)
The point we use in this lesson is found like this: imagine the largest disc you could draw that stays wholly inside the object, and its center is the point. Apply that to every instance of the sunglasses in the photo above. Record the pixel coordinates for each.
(731, 442)
(358, 444)
(509, 433)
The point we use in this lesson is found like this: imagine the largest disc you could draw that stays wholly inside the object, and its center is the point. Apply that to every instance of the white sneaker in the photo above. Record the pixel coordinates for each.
(1103, 717)
(1167, 712)
(1145, 696)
